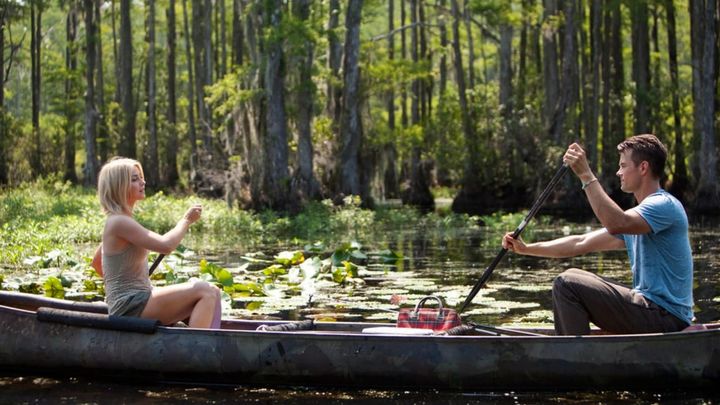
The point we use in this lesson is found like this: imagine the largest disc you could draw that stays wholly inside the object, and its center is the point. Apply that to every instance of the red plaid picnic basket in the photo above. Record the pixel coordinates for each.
(428, 318)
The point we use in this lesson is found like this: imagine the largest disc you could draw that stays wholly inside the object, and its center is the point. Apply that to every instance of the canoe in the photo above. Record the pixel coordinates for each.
(44, 335)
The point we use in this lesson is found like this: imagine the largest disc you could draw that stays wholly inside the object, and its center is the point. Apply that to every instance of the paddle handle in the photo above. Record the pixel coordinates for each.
(156, 263)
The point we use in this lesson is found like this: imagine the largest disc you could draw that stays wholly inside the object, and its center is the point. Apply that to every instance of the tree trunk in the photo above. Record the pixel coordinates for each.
(415, 94)
(441, 22)
(522, 58)
(91, 115)
(70, 92)
(707, 194)
(466, 200)
(418, 194)
(506, 34)
(171, 147)
(201, 32)
(3, 123)
(680, 183)
(117, 98)
(152, 173)
(305, 185)
(223, 38)
(103, 136)
(565, 125)
(35, 38)
(613, 114)
(641, 65)
(656, 80)
(128, 145)
(550, 67)
(334, 91)
(593, 89)
(350, 123)
(470, 47)
(249, 115)
(506, 104)
(426, 90)
(443, 173)
(276, 141)
(192, 138)
(237, 34)
(403, 56)
(390, 179)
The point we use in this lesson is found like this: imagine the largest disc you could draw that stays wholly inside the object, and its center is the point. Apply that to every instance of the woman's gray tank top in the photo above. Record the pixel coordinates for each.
(126, 280)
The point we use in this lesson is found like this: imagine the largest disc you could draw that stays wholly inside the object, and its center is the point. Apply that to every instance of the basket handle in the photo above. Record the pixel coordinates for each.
(421, 303)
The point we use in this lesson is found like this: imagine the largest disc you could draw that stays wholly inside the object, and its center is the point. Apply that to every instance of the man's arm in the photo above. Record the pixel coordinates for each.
(568, 246)
(611, 216)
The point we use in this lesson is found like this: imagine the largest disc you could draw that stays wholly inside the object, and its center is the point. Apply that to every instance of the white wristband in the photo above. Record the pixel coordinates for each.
(585, 184)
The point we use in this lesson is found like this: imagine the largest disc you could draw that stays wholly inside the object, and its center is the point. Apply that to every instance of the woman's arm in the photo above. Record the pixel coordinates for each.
(121, 228)
(97, 261)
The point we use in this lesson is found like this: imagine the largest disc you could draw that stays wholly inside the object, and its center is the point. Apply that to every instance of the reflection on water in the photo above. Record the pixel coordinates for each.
(446, 264)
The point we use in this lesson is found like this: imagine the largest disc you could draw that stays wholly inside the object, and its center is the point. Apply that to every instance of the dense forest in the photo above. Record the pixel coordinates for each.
(273, 103)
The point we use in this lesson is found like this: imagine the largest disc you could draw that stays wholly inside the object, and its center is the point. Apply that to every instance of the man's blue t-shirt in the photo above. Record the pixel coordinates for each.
(661, 260)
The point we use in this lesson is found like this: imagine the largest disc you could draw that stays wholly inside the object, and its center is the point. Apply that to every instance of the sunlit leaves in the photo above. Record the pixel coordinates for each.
(347, 270)
(54, 257)
(290, 258)
(53, 287)
(218, 274)
(248, 290)
(348, 252)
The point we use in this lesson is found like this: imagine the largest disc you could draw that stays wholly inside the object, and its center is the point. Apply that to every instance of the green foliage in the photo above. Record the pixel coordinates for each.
(54, 288)
(217, 274)
(225, 95)
(43, 221)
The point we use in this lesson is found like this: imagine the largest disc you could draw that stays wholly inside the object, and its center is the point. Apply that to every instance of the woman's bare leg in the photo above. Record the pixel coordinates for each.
(196, 300)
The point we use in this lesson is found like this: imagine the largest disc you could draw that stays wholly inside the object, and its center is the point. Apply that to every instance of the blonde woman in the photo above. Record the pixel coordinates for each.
(122, 257)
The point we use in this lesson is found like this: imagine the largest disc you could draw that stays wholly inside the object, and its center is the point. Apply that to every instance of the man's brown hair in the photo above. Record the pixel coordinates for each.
(646, 147)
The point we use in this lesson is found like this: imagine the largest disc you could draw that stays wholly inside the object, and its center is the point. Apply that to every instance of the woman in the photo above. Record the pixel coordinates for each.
(122, 257)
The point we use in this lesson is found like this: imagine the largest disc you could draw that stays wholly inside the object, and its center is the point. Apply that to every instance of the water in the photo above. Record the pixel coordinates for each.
(444, 263)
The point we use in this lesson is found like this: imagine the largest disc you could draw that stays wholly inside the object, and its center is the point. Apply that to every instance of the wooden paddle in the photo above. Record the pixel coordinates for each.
(533, 210)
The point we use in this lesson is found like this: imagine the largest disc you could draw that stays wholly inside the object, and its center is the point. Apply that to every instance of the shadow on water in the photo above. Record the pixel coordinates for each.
(444, 263)
(54, 390)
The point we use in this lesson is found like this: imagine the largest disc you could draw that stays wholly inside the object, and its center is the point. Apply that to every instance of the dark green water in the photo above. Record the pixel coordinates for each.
(444, 263)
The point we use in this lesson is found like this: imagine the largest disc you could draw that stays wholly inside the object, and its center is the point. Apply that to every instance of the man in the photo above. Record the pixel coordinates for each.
(655, 234)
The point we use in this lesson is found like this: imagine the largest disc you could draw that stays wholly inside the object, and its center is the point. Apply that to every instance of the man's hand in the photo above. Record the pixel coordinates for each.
(510, 243)
(577, 160)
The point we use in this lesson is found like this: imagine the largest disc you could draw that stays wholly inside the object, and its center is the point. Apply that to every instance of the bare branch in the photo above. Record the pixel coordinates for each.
(483, 28)
(13, 50)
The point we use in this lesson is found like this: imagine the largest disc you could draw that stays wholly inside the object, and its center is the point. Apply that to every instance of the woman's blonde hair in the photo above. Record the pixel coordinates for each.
(114, 184)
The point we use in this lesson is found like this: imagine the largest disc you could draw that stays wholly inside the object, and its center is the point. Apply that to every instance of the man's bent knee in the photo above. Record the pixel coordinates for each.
(567, 279)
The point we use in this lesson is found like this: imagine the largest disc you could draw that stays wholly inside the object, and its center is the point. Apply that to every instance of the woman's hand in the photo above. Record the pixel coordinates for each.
(510, 243)
(193, 214)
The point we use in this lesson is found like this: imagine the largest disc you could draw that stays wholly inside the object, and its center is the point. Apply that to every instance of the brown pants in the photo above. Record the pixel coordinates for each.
(580, 297)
